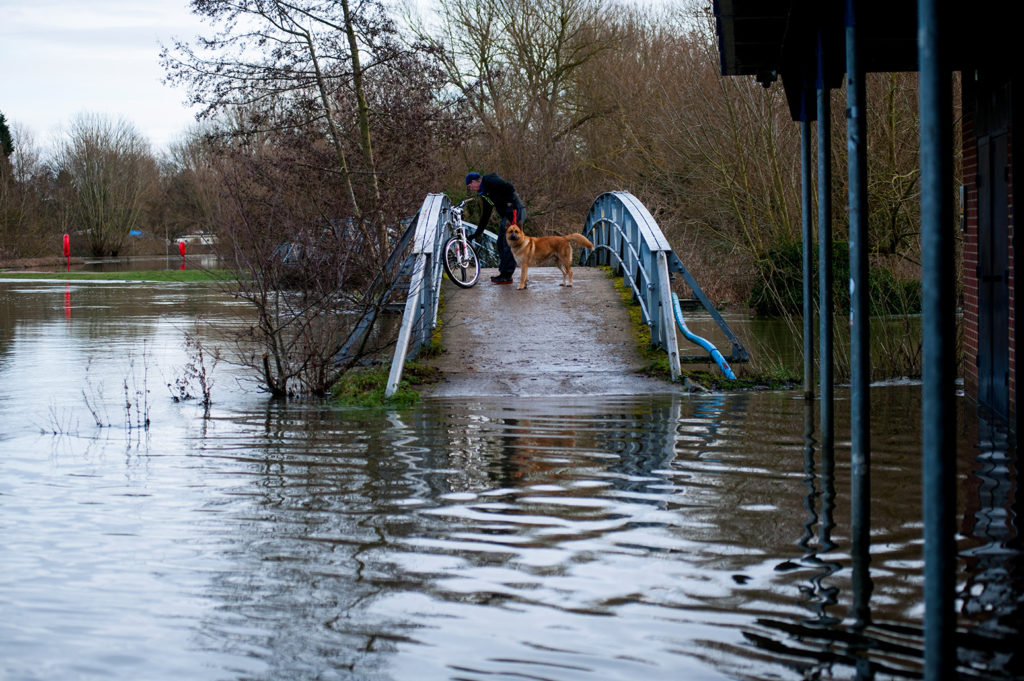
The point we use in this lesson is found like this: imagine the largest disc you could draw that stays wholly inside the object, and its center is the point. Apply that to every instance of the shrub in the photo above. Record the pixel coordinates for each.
(779, 288)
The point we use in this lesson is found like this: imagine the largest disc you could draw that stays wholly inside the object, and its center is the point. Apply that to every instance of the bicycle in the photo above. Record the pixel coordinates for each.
(459, 257)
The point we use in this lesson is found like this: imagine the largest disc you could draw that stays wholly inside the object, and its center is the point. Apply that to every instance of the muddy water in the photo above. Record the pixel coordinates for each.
(658, 536)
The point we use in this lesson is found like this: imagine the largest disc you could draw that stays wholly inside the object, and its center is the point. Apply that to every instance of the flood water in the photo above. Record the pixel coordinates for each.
(666, 536)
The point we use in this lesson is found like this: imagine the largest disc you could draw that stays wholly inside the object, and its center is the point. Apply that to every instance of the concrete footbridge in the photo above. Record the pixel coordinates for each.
(549, 339)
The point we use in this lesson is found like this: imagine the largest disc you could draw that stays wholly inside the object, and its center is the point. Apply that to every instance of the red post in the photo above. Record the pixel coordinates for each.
(181, 249)
(67, 250)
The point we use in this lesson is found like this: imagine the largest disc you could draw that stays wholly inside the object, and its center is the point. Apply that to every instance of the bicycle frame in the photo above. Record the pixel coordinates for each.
(459, 227)
(458, 255)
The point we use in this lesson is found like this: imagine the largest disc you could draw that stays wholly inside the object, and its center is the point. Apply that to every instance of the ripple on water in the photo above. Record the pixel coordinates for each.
(656, 536)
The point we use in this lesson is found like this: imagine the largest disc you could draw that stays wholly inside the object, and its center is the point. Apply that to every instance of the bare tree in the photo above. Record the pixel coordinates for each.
(517, 64)
(302, 270)
(191, 200)
(894, 164)
(307, 55)
(25, 182)
(290, 217)
(107, 174)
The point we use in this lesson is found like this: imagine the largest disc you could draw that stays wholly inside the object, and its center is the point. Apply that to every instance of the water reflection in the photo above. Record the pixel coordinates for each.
(820, 593)
(170, 261)
(610, 538)
(992, 595)
(655, 536)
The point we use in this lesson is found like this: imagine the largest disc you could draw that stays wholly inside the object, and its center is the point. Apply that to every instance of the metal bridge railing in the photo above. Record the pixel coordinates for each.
(626, 236)
(424, 263)
(434, 226)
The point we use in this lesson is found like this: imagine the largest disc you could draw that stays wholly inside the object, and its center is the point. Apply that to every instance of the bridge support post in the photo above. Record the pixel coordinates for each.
(669, 341)
(808, 244)
(825, 272)
(404, 334)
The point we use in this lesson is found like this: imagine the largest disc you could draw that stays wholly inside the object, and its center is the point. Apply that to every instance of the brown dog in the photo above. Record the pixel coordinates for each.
(537, 250)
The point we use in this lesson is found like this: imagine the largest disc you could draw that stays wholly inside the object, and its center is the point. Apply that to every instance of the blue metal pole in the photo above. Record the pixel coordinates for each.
(938, 368)
(860, 361)
(808, 243)
(826, 309)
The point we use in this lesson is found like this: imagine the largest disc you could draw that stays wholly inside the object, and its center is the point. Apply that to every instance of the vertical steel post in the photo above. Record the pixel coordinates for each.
(826, 309)
(939, 340)
(667, 320)
(860, 360)
(1016, 119)
(808, 243)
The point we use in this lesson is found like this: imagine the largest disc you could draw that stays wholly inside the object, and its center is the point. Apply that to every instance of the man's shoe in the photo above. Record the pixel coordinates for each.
(501, 280)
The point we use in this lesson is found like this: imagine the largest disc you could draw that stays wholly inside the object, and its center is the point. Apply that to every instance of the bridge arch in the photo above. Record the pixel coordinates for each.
(625, 236)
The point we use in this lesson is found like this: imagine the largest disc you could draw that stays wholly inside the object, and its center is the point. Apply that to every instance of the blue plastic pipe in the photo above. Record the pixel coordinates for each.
(704, 343)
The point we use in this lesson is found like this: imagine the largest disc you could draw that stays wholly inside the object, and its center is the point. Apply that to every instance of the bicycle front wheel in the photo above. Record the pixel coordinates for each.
(460, 263)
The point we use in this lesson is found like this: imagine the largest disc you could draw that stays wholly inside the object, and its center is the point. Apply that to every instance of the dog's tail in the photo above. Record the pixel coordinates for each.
(579, 240)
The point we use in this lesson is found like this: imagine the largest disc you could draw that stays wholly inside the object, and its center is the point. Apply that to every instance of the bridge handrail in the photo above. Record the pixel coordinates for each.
(434, 226)
(420, 316)
(628, 276)
(379, 291)
(620, 227)
(623, 229)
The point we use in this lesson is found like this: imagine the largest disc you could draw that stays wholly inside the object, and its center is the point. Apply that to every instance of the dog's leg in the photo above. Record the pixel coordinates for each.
(563, 265)
(522, 275)
(565, 270)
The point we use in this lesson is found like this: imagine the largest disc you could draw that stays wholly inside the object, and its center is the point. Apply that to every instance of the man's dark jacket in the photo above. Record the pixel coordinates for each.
(499, 194)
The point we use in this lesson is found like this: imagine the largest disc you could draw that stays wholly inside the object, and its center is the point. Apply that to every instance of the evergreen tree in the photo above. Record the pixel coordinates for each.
(6, 142)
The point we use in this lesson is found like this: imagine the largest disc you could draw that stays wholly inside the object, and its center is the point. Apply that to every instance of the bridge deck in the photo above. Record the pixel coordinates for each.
(546, 340)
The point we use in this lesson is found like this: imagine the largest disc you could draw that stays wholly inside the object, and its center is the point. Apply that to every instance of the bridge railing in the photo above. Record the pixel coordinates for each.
(434, 226)
(627, 237)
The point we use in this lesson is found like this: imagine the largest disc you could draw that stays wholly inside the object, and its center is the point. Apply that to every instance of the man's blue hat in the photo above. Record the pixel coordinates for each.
(472, 176)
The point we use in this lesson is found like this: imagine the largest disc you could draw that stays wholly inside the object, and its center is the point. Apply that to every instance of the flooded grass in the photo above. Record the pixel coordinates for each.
(365, 386)
(139, 276)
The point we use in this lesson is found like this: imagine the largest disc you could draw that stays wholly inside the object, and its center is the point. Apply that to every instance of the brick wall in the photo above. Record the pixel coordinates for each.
(970, 262)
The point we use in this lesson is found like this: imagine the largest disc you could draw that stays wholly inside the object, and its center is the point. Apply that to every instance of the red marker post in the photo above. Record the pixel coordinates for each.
(181, 249)
(67, 250)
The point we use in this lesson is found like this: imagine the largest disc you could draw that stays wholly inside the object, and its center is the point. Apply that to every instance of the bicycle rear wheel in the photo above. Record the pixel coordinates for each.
(460, 263)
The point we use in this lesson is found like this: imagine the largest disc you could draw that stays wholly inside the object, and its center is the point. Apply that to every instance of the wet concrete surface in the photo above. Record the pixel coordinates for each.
(546, 340)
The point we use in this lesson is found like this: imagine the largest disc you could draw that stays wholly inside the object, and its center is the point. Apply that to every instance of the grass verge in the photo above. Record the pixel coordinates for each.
(365, 386)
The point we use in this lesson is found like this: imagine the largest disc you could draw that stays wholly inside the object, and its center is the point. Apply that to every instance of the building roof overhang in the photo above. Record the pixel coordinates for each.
(784, 39)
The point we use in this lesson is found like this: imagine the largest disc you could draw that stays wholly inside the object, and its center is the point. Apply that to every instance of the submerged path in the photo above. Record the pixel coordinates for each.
(545, 340)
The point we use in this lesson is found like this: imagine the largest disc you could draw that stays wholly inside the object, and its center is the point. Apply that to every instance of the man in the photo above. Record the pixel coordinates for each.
(501, 196)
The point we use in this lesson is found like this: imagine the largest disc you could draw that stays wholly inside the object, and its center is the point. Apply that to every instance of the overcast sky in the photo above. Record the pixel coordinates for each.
(59, 58)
